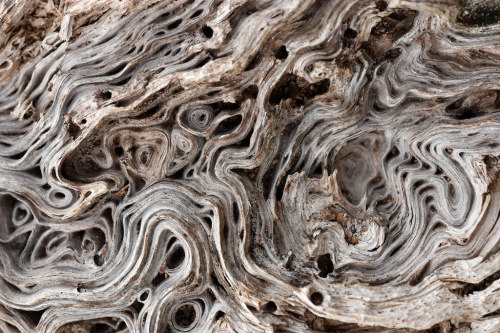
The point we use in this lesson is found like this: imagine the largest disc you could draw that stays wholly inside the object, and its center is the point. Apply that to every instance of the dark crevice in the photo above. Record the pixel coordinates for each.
(175, 259)
(325, 265)
(393, 53)
(395, 250)
(246, 141)
(196, 13)
(203, 62)
(381, 5)
(98, 260)
(219, 315)
(118, 151)
(282, 53)
(158, 279)
(470, 288)
(254, 62)
(137, 306)
(228, 125)
(349, 37)
(316, 298)
(268, 180)
(32, 317)
(281, 187)
(236, 213)
(419, 276)
(460, 110)
(149, 113)
(250, 92)
(185, 315)
(215, 281)
(116, 69)
(251, 308)
(73, 129)
(122, 103)
(350, 33)
(386, 32)
(104, 95)
(270, 307)
(35, 172)
(207, 31)
(297, 89)
(174, 24)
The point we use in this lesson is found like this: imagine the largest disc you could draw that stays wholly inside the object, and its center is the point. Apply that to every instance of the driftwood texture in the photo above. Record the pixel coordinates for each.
(249, 166)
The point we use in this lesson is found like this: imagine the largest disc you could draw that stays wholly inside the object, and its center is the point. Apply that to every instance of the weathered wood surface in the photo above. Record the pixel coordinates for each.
(249, 166)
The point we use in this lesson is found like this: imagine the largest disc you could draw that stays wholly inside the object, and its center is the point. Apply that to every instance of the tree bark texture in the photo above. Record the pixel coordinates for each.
(249, 166)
